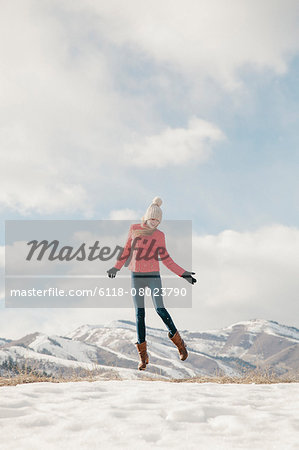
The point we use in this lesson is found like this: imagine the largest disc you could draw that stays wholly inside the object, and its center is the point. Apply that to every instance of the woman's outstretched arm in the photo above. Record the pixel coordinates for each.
(126, 251)
(123, 257)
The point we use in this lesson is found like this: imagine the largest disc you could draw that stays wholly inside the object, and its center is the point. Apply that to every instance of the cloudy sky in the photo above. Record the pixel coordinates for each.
(105, 105)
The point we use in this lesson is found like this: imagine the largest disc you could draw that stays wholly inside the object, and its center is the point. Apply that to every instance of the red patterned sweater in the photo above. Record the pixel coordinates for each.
(143, 252)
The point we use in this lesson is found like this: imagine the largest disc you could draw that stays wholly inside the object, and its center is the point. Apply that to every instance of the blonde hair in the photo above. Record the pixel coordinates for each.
(146, 231)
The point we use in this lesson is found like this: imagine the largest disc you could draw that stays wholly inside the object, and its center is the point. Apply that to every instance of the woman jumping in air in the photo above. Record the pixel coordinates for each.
(146, 272)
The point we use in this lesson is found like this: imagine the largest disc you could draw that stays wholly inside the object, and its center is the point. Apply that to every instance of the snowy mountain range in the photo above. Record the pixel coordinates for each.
(110, 350)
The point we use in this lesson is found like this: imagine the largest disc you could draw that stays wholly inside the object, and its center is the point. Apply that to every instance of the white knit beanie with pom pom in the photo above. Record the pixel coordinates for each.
(154, 211)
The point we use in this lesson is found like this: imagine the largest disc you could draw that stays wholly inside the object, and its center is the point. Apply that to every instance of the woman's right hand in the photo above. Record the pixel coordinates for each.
(112, 272)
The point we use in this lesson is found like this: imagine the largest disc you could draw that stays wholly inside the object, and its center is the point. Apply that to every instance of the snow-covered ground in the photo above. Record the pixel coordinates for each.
(149, 414)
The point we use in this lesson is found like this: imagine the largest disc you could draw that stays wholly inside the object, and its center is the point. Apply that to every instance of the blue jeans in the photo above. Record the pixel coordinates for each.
(139, 281)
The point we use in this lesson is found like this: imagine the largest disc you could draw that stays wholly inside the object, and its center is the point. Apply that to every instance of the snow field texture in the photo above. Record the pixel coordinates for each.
(133, 414)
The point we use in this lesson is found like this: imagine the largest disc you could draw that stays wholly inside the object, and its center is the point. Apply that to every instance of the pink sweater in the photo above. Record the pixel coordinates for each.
(147, 245)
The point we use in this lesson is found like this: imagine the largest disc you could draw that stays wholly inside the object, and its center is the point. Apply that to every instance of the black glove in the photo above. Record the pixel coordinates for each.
(112, 272)
(188, 276)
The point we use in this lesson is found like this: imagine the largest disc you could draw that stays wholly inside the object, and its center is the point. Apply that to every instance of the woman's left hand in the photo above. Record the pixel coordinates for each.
(188, 276)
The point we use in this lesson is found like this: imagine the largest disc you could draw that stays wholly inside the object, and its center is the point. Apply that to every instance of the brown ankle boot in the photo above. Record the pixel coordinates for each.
(142, 355)
(178, 341)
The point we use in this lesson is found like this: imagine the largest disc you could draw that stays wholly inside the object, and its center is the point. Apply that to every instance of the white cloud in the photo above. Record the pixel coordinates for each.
(124, 214)
(58, 111)
(205, 39)
(70, 100)
(174, 146)
(245, 275)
